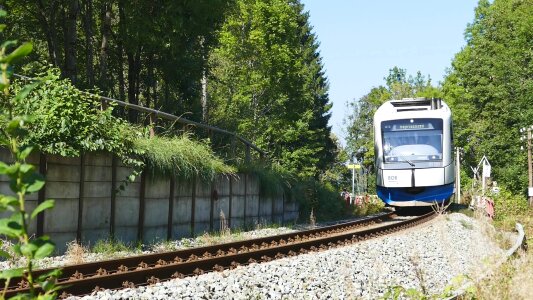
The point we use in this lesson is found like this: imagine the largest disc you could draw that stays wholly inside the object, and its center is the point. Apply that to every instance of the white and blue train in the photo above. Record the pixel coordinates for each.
(413, 144)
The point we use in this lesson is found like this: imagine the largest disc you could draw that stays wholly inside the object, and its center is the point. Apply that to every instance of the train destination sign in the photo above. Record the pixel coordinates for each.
(412, 124)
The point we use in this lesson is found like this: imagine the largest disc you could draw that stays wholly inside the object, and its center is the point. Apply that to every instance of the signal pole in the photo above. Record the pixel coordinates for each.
(458, 166)
(529, 168)
(529, 162)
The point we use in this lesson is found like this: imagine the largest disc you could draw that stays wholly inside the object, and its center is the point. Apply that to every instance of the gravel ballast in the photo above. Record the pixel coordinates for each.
(425, 258)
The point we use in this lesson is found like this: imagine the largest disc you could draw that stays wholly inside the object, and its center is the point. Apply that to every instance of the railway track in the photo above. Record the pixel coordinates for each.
(148, 269)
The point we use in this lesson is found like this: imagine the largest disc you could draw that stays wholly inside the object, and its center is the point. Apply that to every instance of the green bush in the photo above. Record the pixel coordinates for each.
(67, 121)
(320, 197)
(368, 207)
(508, 206)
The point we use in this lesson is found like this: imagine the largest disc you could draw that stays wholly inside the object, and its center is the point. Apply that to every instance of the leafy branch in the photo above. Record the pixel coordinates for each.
(23, 180)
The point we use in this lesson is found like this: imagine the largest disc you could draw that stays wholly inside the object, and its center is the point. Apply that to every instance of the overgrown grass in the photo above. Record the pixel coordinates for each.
(112, 246)
(181, 157)
(272, 180)
(513, 279)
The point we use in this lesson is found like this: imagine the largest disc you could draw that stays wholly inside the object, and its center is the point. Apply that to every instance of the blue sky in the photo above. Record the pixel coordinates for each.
(361, 40)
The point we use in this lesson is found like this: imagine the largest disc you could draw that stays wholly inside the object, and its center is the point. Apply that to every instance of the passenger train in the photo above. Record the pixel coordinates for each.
(413, 144)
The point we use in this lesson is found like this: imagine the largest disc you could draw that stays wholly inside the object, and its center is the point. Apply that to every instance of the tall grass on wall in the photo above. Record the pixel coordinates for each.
(180, 157)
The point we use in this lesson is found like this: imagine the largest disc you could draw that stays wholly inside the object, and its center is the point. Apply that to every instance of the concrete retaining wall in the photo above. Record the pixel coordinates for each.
(148, 209)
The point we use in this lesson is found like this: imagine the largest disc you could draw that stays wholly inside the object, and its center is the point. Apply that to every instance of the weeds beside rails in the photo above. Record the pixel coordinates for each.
(23, 180)
(368, 205)
(440, 210)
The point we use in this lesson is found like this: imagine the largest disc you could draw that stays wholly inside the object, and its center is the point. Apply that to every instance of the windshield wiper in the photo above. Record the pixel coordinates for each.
(409, 162)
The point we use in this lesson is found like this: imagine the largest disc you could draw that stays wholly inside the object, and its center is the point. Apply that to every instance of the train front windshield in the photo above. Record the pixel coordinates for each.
(412, 140)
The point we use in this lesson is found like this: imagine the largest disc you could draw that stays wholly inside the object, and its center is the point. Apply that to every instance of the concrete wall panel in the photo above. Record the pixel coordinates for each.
(154, 234)
(61, 160)
(237, 223)
(61, 239)
(238, 185)
(182, 210)
(98, 159)
(201, 228)
(181, 230)
(157, 188)
(252, 185)
(202, 210)
(126, 234)
(203, 188)
(97, 190)
(96, 213)
(127, 211)
(63, 217)
(57, 190)
(92, 235)
(124, 172)
(156, 212)
(237, 206)
(63, 185)
(222, 185)
(265, 206)
(131, 189)
(183, 188)
(62, 173)
(278, 204)
(252, 205)
(98, 173)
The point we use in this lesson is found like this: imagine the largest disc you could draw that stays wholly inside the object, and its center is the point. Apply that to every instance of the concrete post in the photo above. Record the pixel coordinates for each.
(170, 207)
(142, 204)
(81, 197)
(41, 195)
(113, 195)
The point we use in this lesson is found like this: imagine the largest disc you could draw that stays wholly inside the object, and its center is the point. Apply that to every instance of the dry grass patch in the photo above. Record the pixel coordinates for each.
(75, 253)
(514, 278)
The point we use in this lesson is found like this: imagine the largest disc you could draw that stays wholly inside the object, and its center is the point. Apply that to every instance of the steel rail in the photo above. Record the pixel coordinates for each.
(141, 270)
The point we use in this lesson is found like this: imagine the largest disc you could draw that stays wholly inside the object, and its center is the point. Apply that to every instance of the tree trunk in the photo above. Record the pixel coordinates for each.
(106, 32)
(203, 99)
(70, 40)
(120, 46)
(149, 79)
(88, 26)
(131, 86)
(49, 29)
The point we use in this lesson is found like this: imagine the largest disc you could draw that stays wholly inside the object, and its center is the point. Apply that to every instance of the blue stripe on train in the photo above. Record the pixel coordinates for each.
(429, 194)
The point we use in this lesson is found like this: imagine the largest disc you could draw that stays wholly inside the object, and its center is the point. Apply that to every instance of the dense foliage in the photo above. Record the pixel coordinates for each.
(69, 122)
(149, 52)
(267, 84)
(23, 180)
(251, 67)
(490, 88)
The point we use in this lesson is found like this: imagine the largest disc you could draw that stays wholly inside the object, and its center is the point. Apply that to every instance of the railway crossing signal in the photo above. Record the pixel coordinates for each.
(526, 131)
(353, 167)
